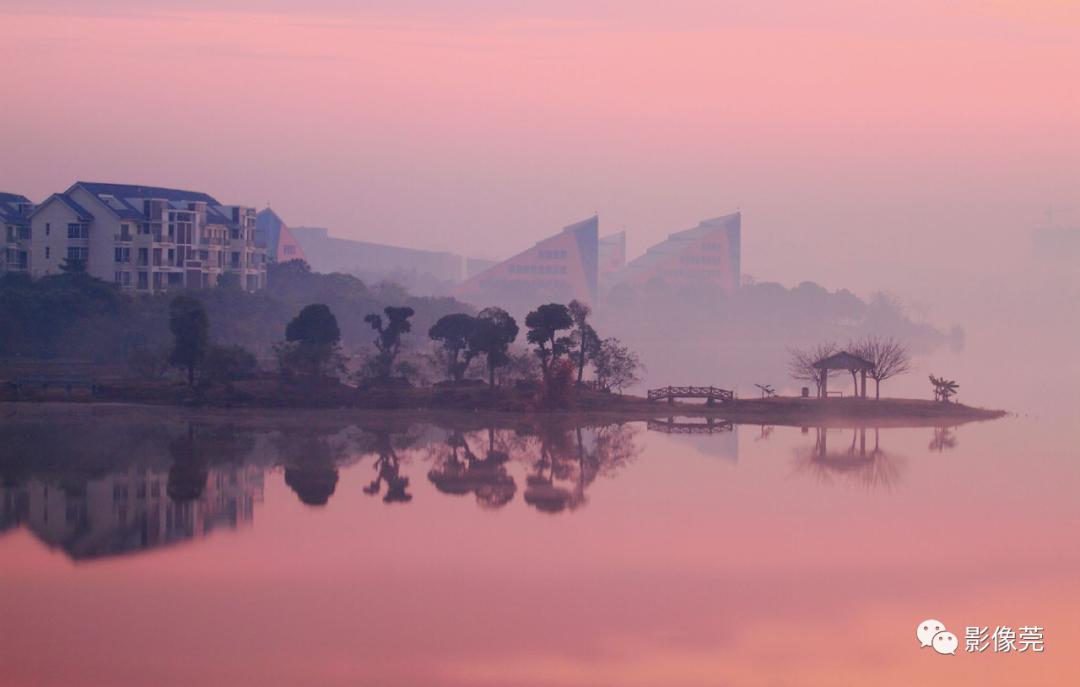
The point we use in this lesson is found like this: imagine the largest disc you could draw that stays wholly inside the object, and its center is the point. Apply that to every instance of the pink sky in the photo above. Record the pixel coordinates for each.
(844, 133)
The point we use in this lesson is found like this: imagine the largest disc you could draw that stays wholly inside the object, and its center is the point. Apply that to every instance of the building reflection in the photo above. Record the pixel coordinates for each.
(851, 459)
(131, 510)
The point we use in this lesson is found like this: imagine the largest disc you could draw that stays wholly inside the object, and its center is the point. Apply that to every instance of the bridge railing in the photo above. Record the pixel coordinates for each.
(711, 393)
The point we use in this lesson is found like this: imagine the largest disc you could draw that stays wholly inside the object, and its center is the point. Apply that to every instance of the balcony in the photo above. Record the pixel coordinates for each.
(123, 237)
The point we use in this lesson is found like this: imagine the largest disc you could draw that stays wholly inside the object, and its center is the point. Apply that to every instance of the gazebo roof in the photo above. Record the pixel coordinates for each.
(844, 361)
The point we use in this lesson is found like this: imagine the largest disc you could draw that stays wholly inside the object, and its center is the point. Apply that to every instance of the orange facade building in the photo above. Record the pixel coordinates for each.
(707, 256)
(557, 269)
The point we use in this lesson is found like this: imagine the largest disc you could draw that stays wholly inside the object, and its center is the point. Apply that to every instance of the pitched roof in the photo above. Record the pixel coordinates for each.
(79, 210)
(146, 192)
(119, 197)
(844, 361)
(11, 207)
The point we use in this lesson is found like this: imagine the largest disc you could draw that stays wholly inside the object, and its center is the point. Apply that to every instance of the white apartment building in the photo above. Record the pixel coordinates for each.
(145, 238)
(15, 232)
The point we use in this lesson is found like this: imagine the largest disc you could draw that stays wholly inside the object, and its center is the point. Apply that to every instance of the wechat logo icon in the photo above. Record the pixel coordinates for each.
(932, 633)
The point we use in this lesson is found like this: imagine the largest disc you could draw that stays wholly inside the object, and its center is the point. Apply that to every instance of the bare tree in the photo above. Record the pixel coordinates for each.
(802, 360)
(889, 356)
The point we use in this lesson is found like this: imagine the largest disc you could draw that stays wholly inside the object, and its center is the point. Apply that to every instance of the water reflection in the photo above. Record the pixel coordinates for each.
(99, 490)
(459, 471)
(102, 489)
(133, 509)
(850, 460)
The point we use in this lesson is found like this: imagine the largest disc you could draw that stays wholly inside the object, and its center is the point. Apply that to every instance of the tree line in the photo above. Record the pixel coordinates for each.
(563, 345)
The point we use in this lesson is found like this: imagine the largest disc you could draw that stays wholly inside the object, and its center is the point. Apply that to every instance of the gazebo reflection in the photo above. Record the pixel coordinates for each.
(850, 460)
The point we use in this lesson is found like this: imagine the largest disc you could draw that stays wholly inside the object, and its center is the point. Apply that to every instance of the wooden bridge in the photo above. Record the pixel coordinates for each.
(711, 394)
(670, 426)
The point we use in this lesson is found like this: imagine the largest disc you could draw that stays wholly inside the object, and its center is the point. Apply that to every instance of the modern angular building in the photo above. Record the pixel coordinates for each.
(557, 269)
(706, 256)
(15, 229)
(274, 236)
(145, 238)
(611, 256)
(326, 253)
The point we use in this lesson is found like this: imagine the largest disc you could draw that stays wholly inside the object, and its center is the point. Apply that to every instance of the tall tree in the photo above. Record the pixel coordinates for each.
(584, 336)
(315, 336)
(890, 357)
(454, 332)
(801, 363)
(544, 324)
(190, 327)
(616, 365)
(494, 331)
(388, 341)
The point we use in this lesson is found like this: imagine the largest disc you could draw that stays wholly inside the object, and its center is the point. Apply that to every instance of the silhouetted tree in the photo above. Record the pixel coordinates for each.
(889, 356)
(388, 341)
(189, 326)
(584, 336)
(455, 332)
(494, 331)
(616, 365)
(312, 340)
(543, 325)
(801, 363)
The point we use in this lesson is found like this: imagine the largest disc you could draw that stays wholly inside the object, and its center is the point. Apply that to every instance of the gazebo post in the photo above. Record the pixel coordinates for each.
(824, 393)
(864, 383)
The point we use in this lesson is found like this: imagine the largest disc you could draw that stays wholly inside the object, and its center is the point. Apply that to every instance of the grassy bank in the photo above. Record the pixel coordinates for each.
(470, 398)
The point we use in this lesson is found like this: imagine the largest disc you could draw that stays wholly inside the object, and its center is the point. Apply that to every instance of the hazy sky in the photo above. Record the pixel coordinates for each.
(895, 145)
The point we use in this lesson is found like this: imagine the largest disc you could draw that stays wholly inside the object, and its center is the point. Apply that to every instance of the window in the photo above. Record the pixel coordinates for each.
(144, 256)
(24, 233)
(144, 280)
(290, 250)
(80, 253)
(122, 278)
(48, 228)
(47, 252)
(552, 255)
(123, 254)
(78, 230)
(235, 261)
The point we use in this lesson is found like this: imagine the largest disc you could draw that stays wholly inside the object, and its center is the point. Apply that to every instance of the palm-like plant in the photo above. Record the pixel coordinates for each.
(944, 389)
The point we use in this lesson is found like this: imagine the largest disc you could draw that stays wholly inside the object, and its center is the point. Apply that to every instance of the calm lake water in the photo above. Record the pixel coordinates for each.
(162, 547)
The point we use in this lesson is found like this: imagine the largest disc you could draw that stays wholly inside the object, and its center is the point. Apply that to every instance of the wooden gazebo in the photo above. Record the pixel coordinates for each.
(843, 361)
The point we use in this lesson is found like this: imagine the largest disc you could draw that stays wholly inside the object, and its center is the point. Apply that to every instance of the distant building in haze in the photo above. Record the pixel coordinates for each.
(707, 255)
(559, 268)
(15, 229)
(611, 256)
(146, 238)
(326, 253)
(275, 237)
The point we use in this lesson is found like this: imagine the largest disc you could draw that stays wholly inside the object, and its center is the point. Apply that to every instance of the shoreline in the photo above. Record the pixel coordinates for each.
(506, 407)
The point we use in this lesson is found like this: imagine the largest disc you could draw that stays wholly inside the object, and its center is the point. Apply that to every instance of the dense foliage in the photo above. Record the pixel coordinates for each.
(75, 316)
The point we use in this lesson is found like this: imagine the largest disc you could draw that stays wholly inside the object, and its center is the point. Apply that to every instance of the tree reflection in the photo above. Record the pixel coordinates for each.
(873, 467)
(943, 439)
(310, 466)
(569, 461)
(457, 470)
(388, 469)
(189, 469)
